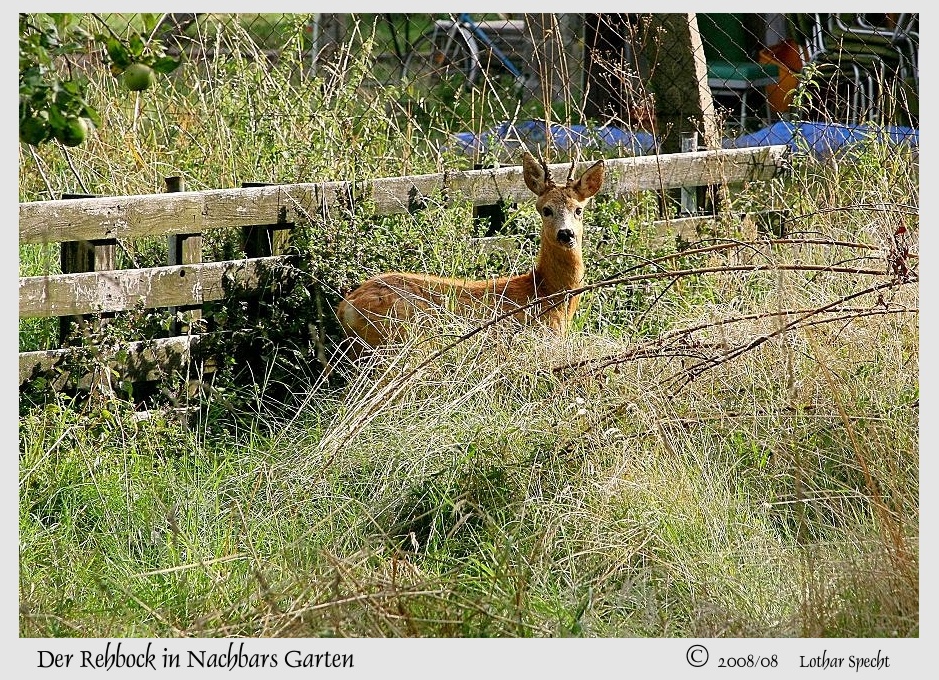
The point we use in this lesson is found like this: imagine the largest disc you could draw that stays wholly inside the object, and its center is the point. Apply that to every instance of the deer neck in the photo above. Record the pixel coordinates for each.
(558, 268)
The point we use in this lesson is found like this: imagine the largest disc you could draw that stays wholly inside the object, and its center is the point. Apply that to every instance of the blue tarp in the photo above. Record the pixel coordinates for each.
(534, 133)
(821, 138)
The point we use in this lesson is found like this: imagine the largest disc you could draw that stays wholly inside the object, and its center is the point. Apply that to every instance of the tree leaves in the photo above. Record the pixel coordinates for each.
(52, 103)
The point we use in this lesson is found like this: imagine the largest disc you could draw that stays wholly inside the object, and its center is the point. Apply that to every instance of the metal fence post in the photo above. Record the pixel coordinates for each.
(689, 195)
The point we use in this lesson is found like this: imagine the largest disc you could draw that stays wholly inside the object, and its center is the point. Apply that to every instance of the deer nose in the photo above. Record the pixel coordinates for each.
(566, 237)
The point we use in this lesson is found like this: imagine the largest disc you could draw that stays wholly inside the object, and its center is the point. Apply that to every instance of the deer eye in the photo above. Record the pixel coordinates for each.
(547, 212)
(578, 211)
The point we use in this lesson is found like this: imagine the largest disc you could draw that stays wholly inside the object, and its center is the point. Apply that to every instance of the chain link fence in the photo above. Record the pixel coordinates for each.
(626, 83)
(290, 98)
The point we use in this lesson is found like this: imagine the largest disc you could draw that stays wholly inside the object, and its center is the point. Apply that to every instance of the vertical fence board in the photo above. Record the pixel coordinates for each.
(84, 256)
(183, 249)
(264, 240)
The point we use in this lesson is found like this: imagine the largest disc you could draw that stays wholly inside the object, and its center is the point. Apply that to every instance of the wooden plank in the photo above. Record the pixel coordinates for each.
(189, 212)
(121, 289)
(182, 249)
(143, 360)
(694, 169)
(83, 256)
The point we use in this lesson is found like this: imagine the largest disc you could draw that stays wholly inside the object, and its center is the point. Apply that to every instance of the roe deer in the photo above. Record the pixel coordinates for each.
(370, 310)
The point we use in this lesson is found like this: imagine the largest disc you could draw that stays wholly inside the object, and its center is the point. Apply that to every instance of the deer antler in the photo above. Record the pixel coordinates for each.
(544, 166)
(570, 173)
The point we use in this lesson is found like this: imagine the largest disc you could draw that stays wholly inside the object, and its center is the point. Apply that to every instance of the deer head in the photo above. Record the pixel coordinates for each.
(561, 206)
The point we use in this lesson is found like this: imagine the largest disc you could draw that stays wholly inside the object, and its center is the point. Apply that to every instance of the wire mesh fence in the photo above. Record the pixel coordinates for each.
(472, 88)
(621, 74)
(290, 98)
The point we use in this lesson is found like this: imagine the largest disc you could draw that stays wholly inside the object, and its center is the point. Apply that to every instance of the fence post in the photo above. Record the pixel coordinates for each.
(84, 256)
(493, 215)
(262, 240)
(689, 195)
(679, 80)
(183, 249)
(186, 249)
(329, 31)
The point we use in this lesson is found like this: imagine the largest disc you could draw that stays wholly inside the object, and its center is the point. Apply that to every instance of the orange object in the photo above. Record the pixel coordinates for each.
(788, 58)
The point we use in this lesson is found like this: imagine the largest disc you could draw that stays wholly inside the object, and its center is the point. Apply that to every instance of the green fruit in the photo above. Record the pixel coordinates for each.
(138, 77)
(34, 131)
(74, 132)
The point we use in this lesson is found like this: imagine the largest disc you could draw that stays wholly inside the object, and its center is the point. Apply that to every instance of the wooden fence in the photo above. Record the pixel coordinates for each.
(89, 229)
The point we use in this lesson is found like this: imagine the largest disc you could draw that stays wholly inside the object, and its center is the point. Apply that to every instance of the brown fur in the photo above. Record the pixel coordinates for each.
(370, 310)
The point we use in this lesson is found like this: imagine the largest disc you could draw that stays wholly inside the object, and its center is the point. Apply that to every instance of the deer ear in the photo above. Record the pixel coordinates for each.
(590, 182)
(534, 174)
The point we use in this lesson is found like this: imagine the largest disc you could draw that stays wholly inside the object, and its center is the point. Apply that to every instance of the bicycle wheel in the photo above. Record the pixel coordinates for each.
(447, 53)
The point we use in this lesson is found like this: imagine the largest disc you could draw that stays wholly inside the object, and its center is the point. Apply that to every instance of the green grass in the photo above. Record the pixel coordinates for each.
(517, 484)
(490, 497)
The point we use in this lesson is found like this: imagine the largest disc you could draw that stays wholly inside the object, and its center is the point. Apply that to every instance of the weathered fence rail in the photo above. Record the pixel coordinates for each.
(121, 289)
(134, 217)
(190, 213)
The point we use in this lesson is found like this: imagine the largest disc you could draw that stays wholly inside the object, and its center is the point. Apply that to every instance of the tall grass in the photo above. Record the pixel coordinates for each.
(725, 453)
(493, 496)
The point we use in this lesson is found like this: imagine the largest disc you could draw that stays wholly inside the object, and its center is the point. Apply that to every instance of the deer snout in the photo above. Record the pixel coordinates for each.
(566, 237)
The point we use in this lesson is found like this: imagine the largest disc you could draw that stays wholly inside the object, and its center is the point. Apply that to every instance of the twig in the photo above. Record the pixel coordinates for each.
(867, 207)
(71, 165)
(391, 391)
(42, 173)
(684, 377)
(687, 375)
(728, 244)
(649, 349)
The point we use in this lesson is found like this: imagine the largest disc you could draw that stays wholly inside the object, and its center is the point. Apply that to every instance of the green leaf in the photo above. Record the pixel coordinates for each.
(118, 53)
(73, 87)
(135, 45)
(56, 120)
(30, 79)
(166, 64)
(61, 21)
(49, 38)
(92, 115)
(150, 20)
